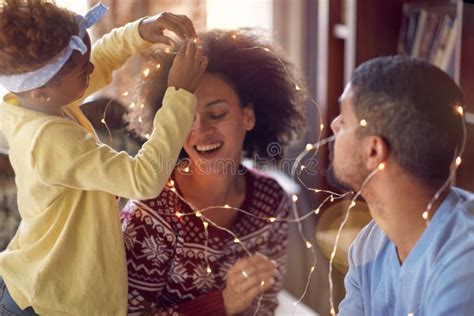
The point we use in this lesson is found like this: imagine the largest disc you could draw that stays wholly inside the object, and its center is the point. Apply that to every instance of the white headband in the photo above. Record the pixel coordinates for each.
(38, 78)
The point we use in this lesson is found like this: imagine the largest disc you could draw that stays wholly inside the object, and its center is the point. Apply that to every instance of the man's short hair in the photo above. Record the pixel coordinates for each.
(413, 105)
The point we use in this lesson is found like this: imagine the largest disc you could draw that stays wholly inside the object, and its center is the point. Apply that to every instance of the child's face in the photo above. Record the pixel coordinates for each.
(73, 79)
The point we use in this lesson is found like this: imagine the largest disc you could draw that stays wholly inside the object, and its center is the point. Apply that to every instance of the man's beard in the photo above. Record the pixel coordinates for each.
(331, 175)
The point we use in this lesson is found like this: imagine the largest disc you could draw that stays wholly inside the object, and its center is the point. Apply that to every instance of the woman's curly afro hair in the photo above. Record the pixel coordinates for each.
(259, 76)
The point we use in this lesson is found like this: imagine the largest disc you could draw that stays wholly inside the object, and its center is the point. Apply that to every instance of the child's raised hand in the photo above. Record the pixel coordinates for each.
(188, 67)
(152, 28)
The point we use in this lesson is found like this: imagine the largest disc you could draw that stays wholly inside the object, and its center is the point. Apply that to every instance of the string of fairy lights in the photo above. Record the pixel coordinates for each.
(297, 169)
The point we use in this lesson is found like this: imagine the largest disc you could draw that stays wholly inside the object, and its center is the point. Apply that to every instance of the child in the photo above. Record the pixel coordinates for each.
(67, 256)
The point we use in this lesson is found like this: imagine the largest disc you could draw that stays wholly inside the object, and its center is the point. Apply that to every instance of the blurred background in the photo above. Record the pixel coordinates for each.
(326, 40)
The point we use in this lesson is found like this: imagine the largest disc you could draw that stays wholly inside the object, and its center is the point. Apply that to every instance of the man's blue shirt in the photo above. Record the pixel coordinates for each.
(437, 277)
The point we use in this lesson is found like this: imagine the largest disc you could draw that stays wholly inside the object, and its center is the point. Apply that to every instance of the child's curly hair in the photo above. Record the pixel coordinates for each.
(264, 78)
(31, 33)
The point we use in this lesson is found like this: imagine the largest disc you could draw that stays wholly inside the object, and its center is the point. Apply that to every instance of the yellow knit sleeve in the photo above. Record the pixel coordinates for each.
(111, 52)
(65, 154)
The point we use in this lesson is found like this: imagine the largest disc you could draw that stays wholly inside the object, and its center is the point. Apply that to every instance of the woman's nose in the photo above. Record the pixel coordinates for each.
(200, 124)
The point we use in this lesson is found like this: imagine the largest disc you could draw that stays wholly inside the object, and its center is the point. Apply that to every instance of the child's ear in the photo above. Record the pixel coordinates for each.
(249, 117)
(40, 95)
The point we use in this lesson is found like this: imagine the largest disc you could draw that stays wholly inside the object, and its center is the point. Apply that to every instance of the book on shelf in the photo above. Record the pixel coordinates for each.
(441, 37)
(408, 29)
(429, 32)
(446, 49)
(427, 38)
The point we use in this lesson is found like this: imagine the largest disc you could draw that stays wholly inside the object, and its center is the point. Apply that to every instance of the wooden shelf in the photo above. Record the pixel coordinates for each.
(467, 56)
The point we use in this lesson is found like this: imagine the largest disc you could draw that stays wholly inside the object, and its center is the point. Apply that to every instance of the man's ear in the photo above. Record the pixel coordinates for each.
(249, 117)
(376, 151)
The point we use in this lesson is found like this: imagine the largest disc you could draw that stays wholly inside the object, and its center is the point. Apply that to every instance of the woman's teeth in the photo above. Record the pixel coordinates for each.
(208, 147)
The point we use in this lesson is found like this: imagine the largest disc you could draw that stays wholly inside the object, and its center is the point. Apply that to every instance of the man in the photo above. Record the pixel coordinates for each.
(401, 122)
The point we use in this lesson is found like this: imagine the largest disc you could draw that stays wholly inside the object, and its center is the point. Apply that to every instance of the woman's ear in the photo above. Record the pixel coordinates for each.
(249, 117)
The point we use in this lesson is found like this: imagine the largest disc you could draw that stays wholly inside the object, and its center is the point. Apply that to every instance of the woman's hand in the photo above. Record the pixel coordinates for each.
(246, 279)
(152, 28)
(188, 67)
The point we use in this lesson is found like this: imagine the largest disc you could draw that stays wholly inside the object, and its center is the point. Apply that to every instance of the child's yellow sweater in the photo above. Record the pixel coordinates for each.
(67, 256)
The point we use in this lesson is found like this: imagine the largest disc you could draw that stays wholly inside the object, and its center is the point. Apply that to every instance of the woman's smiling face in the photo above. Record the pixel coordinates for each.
(217, 136)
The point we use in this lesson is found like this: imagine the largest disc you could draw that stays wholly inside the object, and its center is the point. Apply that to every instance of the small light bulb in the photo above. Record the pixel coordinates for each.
(295, 303)
(158, 66)
(234, 36)
(333, 312)
(302, 167)
(363, 123)
(147, 136)
(425, 215)
(132, 105)
(381, 166)
(125, 93)
(236, 240)
(460, 110)
(309, 147)
(308, 244)
(316, 211)
(142, 106)
(186, 169)
(198, 214)
(297, 88)
(167, 50)
(266, 49)
(102, 121)
(173, 189)
(262, 283)
(179, 214)
(195, 40)
(312, 269)
(146, 72)
(208, 270)
(458, 161)
(140, 119)
(321, 127)
(205, 224)
(172, 183)
(272, 219)
(294, 198)
(226, 206)
(352, 204)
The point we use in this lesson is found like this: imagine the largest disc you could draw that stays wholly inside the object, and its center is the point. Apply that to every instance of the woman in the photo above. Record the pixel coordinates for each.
(248, 101)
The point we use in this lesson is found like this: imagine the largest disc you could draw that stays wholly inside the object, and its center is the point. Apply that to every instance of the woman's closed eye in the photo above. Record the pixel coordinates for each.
(217, 116)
